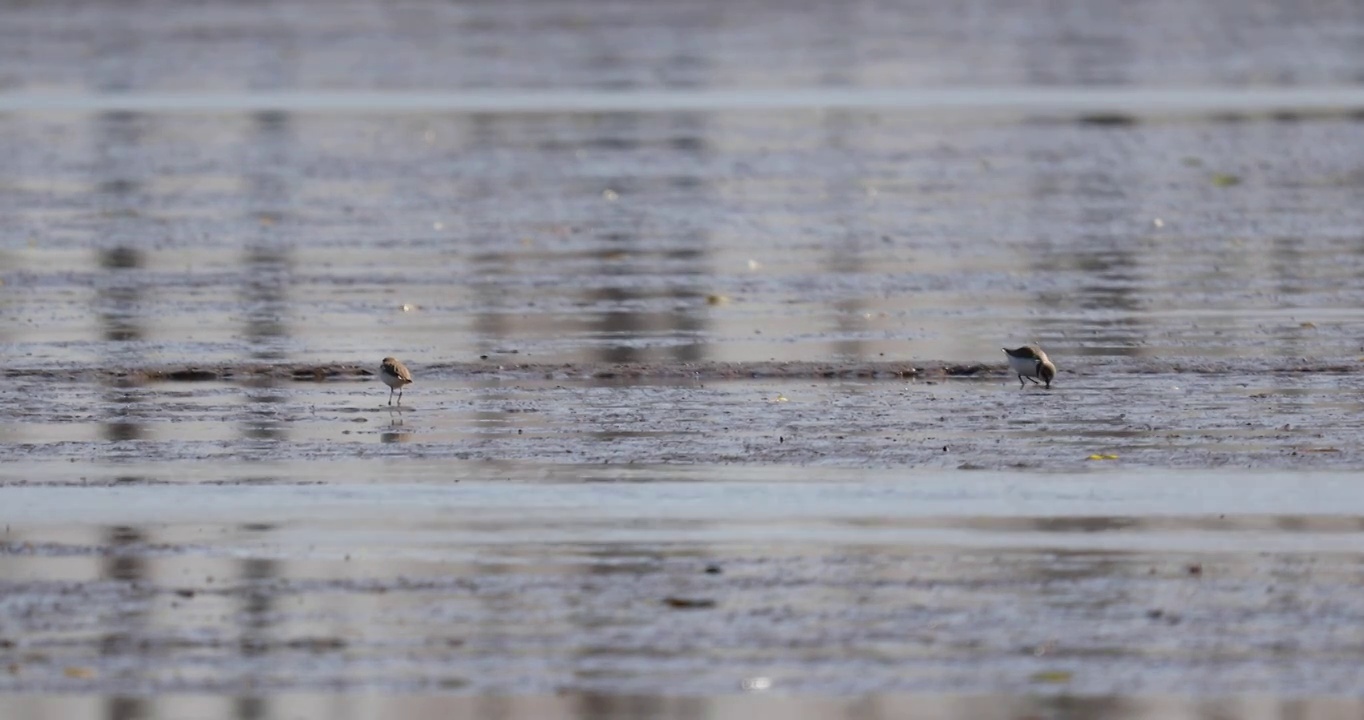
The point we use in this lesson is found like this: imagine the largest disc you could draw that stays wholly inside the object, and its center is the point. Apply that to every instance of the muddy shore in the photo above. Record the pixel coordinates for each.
(772, 370)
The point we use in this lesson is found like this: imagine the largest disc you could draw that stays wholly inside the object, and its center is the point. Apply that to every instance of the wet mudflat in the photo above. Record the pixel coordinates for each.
(711, 417)
(1270, 420)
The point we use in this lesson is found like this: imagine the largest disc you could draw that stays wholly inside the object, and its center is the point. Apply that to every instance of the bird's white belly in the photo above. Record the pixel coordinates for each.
(1023, 366)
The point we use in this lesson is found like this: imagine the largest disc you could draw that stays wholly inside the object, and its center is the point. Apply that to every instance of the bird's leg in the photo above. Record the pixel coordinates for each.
(1034, 381)
(390, 396)
(1021, 384)
(400, 396)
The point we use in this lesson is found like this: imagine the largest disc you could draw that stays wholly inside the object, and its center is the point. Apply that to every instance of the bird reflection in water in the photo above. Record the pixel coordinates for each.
(395, 432)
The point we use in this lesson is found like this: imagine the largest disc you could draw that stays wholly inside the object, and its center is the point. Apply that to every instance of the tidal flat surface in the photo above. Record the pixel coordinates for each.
(705, 303)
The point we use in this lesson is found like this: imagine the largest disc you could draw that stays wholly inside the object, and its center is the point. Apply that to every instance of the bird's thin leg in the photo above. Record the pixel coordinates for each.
(400, 396)
(1034, 381)
(1020, 381)
(390, 396)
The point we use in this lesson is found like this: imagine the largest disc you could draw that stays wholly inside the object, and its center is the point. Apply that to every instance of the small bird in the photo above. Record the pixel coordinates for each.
(1030, 362)
(395, 376)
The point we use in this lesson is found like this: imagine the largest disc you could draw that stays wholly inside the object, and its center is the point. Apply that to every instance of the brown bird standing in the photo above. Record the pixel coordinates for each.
(395, 376)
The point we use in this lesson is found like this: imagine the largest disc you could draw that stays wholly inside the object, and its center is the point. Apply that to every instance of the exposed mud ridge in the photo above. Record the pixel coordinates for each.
(569, 371)
(195, 373)
(724, 370)
(794, 370)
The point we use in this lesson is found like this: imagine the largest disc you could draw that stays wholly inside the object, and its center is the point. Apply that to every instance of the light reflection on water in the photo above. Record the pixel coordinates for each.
(592, 706)
(1102, 102)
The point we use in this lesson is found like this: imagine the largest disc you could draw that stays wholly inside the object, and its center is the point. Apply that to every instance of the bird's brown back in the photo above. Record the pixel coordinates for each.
(393, 366)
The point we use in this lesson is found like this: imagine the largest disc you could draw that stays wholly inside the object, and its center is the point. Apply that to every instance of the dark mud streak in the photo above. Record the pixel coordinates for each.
(585, 371)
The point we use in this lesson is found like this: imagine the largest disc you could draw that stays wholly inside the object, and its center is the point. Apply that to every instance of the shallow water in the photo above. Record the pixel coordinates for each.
(705, 303)
(531, 579)
(674, 237)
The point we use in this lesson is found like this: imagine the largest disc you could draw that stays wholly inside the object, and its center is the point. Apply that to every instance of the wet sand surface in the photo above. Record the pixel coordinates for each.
(705, 302)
